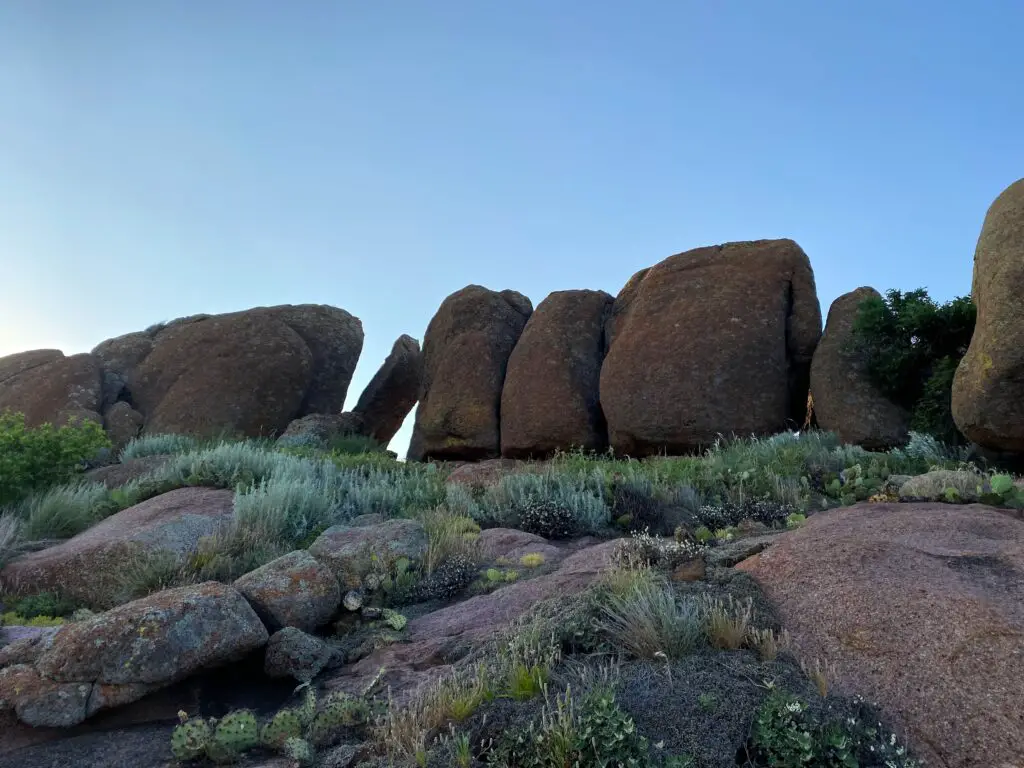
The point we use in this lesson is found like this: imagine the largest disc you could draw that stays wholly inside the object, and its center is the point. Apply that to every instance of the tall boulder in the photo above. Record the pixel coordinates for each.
(550, 400)
(46, 386)
(465, 355)
(845, 400)
(714, 340)
(392, 392)
(988, 389)
(244, 373)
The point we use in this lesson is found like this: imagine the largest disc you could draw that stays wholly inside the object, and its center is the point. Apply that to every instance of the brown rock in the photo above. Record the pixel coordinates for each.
(350, 552)
(119, 358)
(244, 373)
(90, 566)
(713, 340)
(321, 428)
(122, 423)
(292, 591)
(392, 392)
(845, 400)
(487, 473)
(437, 636)
(919, 608)
(46, 386)
(550, 399)
(465, 354)
(41, 702)
(988, 389)
(151, 643)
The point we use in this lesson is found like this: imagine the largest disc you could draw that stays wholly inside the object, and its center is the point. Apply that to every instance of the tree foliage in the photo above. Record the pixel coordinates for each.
(911, 347)
(34, 459)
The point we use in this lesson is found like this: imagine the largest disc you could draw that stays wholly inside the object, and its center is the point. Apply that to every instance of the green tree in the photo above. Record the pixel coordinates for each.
(34, 459)
(911, 347)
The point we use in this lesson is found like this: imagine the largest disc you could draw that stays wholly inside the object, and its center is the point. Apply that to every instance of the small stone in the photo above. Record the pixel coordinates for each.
(353, 600)
(371, 614)
(692, 570)
(372, 582)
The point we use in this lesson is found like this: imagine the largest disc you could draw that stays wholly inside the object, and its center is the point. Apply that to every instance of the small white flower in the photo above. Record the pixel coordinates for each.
(794, 707)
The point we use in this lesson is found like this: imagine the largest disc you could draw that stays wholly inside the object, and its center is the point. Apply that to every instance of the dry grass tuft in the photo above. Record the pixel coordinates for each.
(727, 622)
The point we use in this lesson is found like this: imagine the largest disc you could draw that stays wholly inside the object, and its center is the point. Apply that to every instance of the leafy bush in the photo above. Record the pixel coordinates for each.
(786, 734)
(911, 346)
(598, 734)
(37, 458)
(549, 519)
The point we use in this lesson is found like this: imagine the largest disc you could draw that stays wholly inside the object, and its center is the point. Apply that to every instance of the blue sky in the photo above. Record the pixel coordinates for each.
(161, 159)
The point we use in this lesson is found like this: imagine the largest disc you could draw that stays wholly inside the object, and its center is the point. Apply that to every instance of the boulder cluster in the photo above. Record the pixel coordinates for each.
(718, 340)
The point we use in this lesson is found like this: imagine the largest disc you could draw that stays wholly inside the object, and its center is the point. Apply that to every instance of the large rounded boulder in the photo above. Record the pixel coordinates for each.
(845, 400)
(550, 400)
(46, 386)
(716, 340)
(988, 389)
(392, 392)
(247, 373)
(465, 355)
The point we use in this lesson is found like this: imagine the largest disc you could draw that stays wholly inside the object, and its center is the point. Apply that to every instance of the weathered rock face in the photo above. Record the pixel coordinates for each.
(845, 400)
(293, 653)
(119, 656)
(392, 392)
(89, 566)
(292, 591)
(246, 373)
(550, 399)
(465, 355)
(320, 428)
(988, 389)
(349, 552)
(46, 386)
(122, 424)
(713, 340)
(918, 607)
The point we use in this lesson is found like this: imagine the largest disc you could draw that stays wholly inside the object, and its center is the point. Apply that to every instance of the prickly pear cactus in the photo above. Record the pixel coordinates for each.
(286, 724)
(339, 711)
(190, 737)
(236, 733)
(307, 710)
(299, 750)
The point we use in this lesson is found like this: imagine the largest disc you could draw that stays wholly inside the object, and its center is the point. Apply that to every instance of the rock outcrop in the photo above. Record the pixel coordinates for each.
(465, 355)
(119, 656)
(246, 373)
(988, 389)
(46, 386)
(91, 566)
(550, 398)
(352, 553)
(713, 340)
(845, 400)
(392, 392)
(918, 608)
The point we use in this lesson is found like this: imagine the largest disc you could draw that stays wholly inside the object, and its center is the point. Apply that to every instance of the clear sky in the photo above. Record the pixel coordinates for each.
(160, 159)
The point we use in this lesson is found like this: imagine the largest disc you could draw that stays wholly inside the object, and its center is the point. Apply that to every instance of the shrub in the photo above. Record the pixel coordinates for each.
(598, 733)
(46, 604)
(157, 445)
(35, 459)
(911, 347)
(548, 518)
(787, 734)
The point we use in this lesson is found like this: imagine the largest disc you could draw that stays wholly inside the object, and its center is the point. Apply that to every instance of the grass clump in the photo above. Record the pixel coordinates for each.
(62, 512)
(157, 445)
(645, 618)
(34, 459)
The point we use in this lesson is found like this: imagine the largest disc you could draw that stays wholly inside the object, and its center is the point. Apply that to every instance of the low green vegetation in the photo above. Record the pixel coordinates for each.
(34, 459)
(911, 347)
